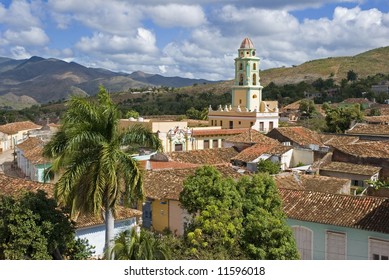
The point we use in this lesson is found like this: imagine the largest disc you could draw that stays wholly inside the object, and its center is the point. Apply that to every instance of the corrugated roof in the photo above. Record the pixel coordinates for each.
(15, 127)
(345, 167)
(360, 212)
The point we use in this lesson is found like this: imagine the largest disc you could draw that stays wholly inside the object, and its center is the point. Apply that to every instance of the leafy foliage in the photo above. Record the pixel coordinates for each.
(308, 108)
(339, 119)
(268, 166)
(145, 245)
(32, 227)
(88, 150)
(245, 215)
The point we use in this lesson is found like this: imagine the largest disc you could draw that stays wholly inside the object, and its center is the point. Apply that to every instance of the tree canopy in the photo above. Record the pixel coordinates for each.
(245, 215)
(32, 227)
(339, 119)
(90, 153)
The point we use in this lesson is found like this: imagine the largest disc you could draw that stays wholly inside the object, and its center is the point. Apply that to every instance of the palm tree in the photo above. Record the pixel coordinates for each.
(143, 245)
(92, 155)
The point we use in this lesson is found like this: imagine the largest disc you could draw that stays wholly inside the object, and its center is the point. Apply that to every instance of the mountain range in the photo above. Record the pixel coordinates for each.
(39, 80)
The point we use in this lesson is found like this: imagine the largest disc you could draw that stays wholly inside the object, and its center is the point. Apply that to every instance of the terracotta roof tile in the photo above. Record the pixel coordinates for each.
(33, 150)
(250, 136)
(158, 165)
(345, 167)
(360, 212)
(369, 129)
(335, 140)
(168, 183)
(377, 119)
(207, 156)
(15, 127)
(211, 132)
(255, 151)
(300, 135)
(368, 149)
(310, 182)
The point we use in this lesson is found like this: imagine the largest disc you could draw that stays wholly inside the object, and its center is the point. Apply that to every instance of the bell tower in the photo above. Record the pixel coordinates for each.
(247, 90)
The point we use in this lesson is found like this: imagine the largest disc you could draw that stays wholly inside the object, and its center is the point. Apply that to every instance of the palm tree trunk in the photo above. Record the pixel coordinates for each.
(109, 232)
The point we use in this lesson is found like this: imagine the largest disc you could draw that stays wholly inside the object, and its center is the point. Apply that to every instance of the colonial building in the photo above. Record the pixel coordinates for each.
(247, 108)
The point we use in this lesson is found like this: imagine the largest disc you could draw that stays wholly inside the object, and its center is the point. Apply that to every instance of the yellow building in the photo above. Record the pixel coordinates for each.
(247, 108)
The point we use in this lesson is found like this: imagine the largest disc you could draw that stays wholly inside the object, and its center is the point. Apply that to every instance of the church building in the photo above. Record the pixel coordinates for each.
(247, 109)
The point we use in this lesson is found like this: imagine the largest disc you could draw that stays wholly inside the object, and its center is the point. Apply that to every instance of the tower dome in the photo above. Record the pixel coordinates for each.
(247, 44)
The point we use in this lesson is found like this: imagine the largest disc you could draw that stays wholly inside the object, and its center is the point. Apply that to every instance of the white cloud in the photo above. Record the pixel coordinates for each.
(19, 15)
(19, 52)
(33, 36)
(172, 15)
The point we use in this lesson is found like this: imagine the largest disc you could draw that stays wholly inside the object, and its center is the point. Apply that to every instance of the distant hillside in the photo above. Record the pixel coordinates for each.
(51, 79)
(368, 63)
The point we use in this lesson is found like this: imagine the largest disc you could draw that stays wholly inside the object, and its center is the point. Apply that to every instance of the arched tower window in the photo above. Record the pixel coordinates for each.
(254, 79)
(241, 79)
(240, 66)
(254, 66)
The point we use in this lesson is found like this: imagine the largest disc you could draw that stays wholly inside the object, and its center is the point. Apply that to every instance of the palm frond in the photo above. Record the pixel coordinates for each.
(140, 135)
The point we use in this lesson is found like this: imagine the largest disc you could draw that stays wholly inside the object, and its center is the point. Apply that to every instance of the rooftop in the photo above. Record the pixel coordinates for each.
(207, 156)
(251, 136)
(368, 149)
(212, 132)
(300, 135)
(15, 127)
(360, 212)
(335, 140)
(252, 153)
(345, 167)
(377, 119)
(168, 184)
(310, 182)
(33, 150)
(369, 129)
(247, 44)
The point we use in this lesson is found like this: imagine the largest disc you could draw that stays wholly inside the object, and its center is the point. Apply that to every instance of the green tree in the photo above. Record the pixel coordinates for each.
(268, 166)
(351, 75)
(308, 108)
(132, 114)
(339, 119)
(89, 152)
(215, 205)
(32, 227)
(145, 245)
(266, 235)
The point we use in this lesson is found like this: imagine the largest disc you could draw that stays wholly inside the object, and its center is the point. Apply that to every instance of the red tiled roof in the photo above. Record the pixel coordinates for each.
(158, 165)
(345, 167)
(368, 149)
(360, 212)
(13, 128)
(369, 129)
(210, 132)
(310, 182)
(207, 156)
(250, 136)
(300, 135)
(255, 151)
(335, 140)
(168, 184)
(33, 150)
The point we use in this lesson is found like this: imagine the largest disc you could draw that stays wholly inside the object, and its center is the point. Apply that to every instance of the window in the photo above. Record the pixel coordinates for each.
(335, 245)
(240, 101)
(221, 123)
(379, 249)
(241, 80)
(240, 66)
(251, 123)
(254, 79)
(261, 126)
(215, 144)
(206, 144)
(240, 122)
(254, 65)
(271, 125)
(304, 238)
(356, 183)
(212, 122)
(231, 124)
(178, 147)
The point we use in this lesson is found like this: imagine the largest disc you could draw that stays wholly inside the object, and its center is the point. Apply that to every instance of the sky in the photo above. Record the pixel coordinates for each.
(193, 39)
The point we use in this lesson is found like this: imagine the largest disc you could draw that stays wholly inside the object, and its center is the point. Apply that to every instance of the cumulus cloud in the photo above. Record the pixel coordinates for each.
(172, 15)
(19, 52)
(34, 36)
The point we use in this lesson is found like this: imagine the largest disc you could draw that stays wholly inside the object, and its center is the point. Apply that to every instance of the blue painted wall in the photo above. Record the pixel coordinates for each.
(357, 240)
(96, 235)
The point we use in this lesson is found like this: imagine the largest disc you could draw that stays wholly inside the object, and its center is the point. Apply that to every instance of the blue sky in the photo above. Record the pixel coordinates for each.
(196, 39)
